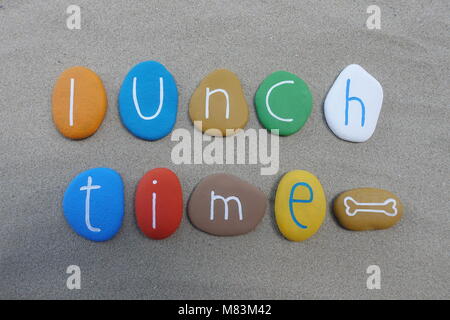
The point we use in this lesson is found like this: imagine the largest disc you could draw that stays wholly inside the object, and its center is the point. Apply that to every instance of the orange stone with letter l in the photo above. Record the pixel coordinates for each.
(78, 103)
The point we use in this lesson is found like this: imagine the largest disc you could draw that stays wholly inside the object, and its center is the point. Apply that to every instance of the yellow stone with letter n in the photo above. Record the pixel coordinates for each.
(300, 205)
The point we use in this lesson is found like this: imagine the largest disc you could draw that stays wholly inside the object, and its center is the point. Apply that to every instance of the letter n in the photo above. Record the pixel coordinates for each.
(209, 94)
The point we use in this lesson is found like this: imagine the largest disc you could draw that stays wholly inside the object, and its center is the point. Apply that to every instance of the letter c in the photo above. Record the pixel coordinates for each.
(267, 100)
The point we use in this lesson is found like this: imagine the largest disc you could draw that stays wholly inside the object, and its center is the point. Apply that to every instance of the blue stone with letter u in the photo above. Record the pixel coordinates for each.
(93, 204)
(148, 101)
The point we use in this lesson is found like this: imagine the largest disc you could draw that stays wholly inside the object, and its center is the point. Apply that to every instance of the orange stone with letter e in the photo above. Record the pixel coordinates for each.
(218, 106)
(78, 103)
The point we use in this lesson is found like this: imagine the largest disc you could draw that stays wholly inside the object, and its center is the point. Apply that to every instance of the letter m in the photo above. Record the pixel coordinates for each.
(215, 197)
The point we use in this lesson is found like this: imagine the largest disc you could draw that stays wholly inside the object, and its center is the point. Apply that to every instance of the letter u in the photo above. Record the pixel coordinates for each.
(161, 100)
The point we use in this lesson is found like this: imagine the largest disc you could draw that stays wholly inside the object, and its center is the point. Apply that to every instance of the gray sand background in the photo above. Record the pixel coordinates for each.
(408, 154)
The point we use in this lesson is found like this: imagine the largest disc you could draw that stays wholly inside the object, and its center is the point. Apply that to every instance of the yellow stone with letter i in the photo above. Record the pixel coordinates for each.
(300, 205)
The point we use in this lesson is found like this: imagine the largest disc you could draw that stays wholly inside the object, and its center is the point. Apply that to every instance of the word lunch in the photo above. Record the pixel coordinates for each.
(148, 103)
(221, 205)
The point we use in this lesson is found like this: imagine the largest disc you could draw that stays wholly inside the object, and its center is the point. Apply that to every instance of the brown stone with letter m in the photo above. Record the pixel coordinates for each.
(225, 205)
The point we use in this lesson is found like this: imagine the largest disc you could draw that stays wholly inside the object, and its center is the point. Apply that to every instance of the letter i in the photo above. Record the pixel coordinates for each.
(154, 207)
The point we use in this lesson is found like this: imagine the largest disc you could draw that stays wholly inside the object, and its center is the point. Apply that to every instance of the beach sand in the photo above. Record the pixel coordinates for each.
(408, 154)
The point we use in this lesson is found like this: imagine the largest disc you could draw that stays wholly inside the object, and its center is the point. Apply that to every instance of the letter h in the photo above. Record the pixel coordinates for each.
(348, 99)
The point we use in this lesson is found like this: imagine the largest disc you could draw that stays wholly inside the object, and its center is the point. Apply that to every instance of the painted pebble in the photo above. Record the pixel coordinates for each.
(148, 101)
(78, 103)
(353, 104)
(225, 205)
(367, 209)
(159, 203)
(94, 204)
(283, 101)
(300, 205)
(218, 105)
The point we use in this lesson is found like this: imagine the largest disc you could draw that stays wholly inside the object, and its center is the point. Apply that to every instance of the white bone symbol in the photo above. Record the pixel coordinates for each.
(388, 207)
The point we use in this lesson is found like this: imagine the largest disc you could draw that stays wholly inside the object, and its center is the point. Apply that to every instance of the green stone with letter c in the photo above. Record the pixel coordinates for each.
(283, 101)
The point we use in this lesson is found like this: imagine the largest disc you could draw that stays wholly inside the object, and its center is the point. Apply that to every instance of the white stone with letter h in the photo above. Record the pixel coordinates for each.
(353, 104)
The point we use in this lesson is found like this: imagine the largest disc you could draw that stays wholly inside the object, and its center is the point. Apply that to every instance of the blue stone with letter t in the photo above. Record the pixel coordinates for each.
(93, 204)
(148, 101)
